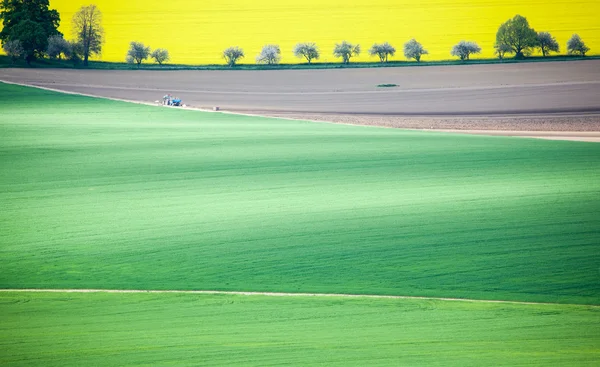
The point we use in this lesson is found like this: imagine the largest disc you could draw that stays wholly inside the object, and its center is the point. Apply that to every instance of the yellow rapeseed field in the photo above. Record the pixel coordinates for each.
(196, 31)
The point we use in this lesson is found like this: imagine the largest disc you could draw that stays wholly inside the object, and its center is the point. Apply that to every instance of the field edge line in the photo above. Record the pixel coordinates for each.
(286, 294)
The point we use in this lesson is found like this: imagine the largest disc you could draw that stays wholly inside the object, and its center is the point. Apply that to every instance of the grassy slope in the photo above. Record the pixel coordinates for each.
(143, 329)
(105, 194)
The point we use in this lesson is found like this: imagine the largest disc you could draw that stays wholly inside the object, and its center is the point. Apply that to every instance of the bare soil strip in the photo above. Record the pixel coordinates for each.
(279, 294)
(543, 89)
(588, 136)
(318, 93)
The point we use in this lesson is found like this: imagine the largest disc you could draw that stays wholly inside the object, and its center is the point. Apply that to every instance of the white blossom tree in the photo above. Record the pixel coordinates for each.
(383, 51)
(308, 50)
(14, 49)
(160, 55)
(464, 49)
(346, 50)
(414, 50)
(270, 55)
(58, 46)
(232, 55)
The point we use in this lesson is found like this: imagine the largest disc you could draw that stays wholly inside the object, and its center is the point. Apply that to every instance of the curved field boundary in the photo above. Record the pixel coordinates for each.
(279, 294)
(521, 134)
(88, 95)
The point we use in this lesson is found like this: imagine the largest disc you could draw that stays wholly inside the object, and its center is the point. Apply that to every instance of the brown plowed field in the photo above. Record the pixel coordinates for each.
(546, 96)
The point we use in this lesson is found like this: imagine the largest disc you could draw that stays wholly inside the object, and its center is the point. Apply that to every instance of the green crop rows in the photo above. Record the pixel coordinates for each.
(143, 329)
(104, 194)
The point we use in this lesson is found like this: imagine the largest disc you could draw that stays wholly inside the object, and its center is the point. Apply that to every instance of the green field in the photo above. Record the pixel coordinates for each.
(105, 194)
(143, 329)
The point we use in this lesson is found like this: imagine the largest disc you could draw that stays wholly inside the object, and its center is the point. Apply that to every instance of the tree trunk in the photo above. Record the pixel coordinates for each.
(88, 42)
(519, 54)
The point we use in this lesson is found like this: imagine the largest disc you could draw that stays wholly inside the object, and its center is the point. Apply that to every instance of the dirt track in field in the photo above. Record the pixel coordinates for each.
(542, 97)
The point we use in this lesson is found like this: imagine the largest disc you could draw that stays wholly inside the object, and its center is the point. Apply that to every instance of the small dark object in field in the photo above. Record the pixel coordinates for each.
(387, 85)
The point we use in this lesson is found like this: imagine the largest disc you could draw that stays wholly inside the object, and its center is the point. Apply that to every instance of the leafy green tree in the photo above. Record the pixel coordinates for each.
(414, 50)
(576, 46)
(547, 43)
(501, 50)
(76, 52)
(232, 55)
(308, 50)
(137, 53)
(31, 22)
(518, 35)
(346, 50)
(383, 51)
(88, 31)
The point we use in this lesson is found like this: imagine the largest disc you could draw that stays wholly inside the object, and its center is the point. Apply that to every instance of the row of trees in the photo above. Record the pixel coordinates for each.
(30, 30)
(271, 54)
(138, 52)
(515, 36)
